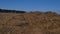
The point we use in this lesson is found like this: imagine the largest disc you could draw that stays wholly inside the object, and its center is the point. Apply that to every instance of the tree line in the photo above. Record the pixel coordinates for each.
(11, 11)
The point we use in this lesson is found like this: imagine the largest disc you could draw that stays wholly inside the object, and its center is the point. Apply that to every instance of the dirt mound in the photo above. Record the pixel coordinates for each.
(30, 23)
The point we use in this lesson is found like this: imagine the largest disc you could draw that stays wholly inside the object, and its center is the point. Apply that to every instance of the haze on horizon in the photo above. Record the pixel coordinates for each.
(31, 5)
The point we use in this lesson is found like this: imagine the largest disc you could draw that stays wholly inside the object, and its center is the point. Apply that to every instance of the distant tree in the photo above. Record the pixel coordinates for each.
(20, 12)
(0, 9)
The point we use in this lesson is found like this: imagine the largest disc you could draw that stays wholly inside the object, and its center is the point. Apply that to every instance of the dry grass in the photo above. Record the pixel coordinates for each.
(30, 23)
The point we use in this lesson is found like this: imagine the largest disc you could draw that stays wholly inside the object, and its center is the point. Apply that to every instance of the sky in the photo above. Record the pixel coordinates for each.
(31, 5)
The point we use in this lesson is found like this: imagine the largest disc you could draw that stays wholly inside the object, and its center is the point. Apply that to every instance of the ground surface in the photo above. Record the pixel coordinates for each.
(30, 23)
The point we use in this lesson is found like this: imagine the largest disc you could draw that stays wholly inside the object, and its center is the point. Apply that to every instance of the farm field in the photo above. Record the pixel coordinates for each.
(30, 23)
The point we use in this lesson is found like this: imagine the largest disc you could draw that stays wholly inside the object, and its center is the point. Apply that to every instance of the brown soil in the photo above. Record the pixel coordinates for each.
(30, 23)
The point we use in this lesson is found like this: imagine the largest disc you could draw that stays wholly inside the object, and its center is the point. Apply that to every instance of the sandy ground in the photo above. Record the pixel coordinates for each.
(30, 23)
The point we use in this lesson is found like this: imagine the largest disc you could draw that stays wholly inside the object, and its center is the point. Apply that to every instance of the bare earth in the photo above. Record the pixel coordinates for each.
(30, 23)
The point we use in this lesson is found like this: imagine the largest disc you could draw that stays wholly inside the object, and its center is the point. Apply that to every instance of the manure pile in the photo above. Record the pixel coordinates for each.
(30, 23)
